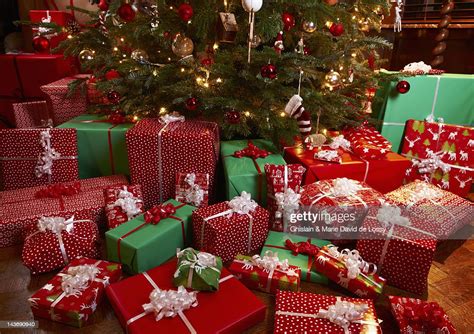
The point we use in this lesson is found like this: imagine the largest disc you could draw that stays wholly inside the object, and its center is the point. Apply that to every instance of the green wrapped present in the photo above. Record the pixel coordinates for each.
(197, 270)
(148, 241)
(244, 163)
(277, 242)
(101, 146)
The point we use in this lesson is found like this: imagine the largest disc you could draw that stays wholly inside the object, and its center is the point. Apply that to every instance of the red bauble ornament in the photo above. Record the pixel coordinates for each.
(232, 117)
(288, 20)
(306, 51)
(41, 44)
(207, 62)
(113, 97)
(269, 71)
(336, 29)
(185, 11)
(192, 103)
(403, 87)
(103, 5)
(126, 12)
(112, 74)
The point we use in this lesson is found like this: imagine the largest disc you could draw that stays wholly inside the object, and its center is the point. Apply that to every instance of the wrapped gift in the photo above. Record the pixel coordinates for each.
(159, 148)
(31, 157)
(34, 114)
(229, 228)
(137, 304)
(441, 212)
(55, 241)
(72, 296)
(266, 273)
(368, 143)
(51, 16)
(197, 270)
(150, 239)
(10, 85)
(21, 208)
(283, 187)
(441, 154)
(401, 249)
(349, 270)
(122, 203)
(303, 312)
(244, 163)
(192, 188)
(300, 252)
(419, 316)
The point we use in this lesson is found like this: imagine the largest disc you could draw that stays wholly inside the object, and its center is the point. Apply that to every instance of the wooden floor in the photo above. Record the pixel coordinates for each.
(451, 284)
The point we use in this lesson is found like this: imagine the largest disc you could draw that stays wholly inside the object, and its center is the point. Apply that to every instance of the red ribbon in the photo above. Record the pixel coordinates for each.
(58, 191)
(425, 316)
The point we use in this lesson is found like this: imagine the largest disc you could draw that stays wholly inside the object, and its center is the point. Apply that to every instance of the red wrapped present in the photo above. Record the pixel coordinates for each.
(283, 187)
(159, 148)
(34, 114)
(367, 142)
(350, 271)
(400, 247)
(267, 273)
(51, 16)
(31, 157)
(239, 226)
(21, 208)
(10, 85)
(419, 316)
(139, 305)
(441, 154)
(303, 312)
(192, 188)
(122, 203)
(55, 241)
(72, 296)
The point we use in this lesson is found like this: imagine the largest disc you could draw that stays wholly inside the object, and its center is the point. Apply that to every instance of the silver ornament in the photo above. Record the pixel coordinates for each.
(86, 55)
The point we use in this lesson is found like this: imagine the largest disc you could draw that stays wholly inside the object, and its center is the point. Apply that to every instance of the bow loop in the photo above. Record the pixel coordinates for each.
(344, 187)
(423, 192)
(128, 203)
(269, 262)
(251, 151)
(55, 224)
(287, 202)
(78, 278)
(353, 262)
(170, 118)
(432, 163)
(243, 204)
(343, 313)
(327, 155)
(197, 262)
(45, 161)
(427, 315)
(58, 190)
(158, 212)
(169, 303)
(303, 247)
(340, 142)
(388, 214)
(194, 193)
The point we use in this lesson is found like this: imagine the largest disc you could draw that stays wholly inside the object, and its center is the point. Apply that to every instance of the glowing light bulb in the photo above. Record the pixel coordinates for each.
(282, 114)
(69, 36)
(215, 46)
(247, 113)
(162, 110)
(115, 48)
(182, 69)
(218, 80)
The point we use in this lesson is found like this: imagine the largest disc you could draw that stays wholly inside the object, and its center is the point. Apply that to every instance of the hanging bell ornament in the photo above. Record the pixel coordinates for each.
(182, 46)
(309, 26)
(139, 55)
(86, 55)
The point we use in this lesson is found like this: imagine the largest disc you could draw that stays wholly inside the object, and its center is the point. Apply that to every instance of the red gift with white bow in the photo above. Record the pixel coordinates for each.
(192, 189)
(122, 203)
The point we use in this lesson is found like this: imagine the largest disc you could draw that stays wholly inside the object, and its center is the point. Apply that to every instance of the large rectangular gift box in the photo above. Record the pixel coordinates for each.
(101, 145)
(159, 148)
(232, 309)
(303, 312)
(141, 245)
(244, 163)
(63, 300)
(21, 208)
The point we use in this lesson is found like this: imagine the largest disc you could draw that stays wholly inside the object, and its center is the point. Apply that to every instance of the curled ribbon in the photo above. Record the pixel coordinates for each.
(128, 203)
(159, 212)
(303, 247)
(78, 278)
(169, 303)
(58, 190)
(196, 262)
(288, 202)
(353, 261)
(251, 151)
(170, 118)
(328, 155)
(45, 161)
(194, 193)
(431, 164)
(425, 316)
(417, 67)
(343, 313)
(340, 142)
(388, 214)
(344, 187)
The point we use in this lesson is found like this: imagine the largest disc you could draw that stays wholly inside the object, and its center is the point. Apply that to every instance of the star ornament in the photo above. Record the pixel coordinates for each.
(48, 287)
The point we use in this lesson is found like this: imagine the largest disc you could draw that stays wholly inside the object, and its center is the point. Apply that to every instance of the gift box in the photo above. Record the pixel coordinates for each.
(52, 16)
(302, 312)
(398, 245)
(283, 187)
(122, 203)
(72, 296)
(101, 145)
(238, 226)
(142, 243)
(55, 241)
(419, 316)
(192, 188)
(441, 154)
(10, 85)
(300, 252)
(350, 271)
(32, 157)
(244, 163)
(34, 114)
(367, 142)
(233, 308)
(159, 148)
(22, 208)
(267, 273)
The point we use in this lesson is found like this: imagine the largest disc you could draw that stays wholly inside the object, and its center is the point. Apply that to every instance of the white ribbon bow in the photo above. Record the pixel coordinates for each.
(169, 303)
(431, 164)
(343, 313)
(423, 192)
(194, 194)
(47, 157)
(328, 155)
(388, 214)
(288, 202)
(170, 118)
(344, 187)
(269, 263)
(196, 262)
(78, 278)
(55, 224)
(417, 67)
(128, 203)
(353, 261)
(242, 204)
(340, 142)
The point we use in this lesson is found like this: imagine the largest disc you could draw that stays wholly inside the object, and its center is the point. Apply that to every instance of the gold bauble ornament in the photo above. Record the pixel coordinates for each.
(182, 46)
(256, 41)
(332, 79)
(139, 55)
(309, 26)
(86, 55)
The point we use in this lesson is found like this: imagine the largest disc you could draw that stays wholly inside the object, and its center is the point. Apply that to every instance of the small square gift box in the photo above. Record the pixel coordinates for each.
(350, 271)
(266, 273)
(55, 241)
(283, 187)
(152, 238)
(150, 303)
(419, 316)
(33, 157)
(238, 226)
(192, 189)
(122, 203)
(367, 142)
(299, 251)
(72, 296)
(303, 312)
(402, 250)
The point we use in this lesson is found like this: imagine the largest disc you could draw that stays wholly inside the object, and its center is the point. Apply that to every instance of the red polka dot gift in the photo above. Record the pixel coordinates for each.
(367, 142)
(159, 148)
(192, 189)
(72, 296)
(303, 312)
(122, 203)
(238, 226)
(32, 157)
(57, 240)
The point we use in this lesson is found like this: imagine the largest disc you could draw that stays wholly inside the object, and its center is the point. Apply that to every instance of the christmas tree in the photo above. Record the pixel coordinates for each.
(235, 62)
